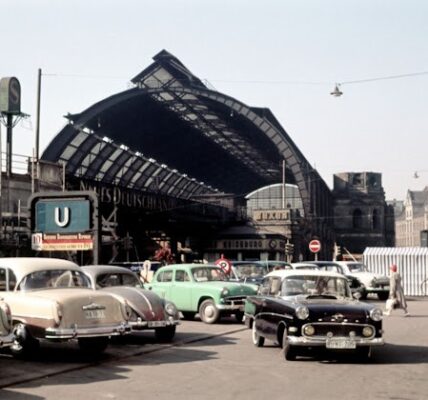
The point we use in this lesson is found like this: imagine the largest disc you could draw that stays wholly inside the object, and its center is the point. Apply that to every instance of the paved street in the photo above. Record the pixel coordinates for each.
(226, 365)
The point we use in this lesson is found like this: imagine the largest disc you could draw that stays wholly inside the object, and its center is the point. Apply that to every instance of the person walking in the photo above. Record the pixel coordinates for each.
(396, 292)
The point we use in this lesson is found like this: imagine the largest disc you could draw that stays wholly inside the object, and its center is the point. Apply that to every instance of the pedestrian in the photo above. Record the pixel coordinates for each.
(396, 293)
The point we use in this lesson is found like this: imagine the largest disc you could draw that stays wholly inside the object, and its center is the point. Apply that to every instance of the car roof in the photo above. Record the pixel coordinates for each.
(284, 273)
(22, 266)
(95, 270)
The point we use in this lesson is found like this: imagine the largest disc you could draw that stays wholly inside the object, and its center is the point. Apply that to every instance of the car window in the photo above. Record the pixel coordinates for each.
(7, 279)
(264, 288)
(181, 276)
(48, 279)
(164, 276)
(275, 286)
(204, 274)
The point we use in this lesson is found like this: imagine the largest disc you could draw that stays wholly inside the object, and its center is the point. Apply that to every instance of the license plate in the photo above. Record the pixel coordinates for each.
(156, 324)
(340, 344)
(94, 314)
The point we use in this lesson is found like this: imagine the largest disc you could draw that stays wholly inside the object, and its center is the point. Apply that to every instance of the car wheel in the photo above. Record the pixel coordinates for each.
(239, 316)
(24, 344)
(93, 346)
(258, 340)
(289, 351)
(383, 296)
(208, 312)
(188, 315)
(166, 334)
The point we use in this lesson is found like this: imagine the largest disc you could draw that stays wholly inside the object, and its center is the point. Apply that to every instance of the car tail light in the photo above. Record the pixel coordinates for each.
(57, 313)
(6, 311)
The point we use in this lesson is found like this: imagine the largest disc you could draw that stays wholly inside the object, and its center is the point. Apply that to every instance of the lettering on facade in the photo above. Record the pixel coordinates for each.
(249, 244)
(271, 215)
(130, 199)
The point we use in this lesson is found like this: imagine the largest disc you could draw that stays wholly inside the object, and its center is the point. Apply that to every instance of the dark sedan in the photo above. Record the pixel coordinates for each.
(312, 309)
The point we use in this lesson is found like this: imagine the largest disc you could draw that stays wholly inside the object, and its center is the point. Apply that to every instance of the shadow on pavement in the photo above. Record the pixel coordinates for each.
(8, 395)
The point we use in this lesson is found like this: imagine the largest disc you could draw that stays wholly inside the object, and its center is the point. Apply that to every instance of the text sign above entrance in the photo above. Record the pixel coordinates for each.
(62, 216)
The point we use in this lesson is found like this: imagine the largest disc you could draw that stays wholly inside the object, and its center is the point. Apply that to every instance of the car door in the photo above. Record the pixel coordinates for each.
(162, 285)
(269, 316)
(181, 290)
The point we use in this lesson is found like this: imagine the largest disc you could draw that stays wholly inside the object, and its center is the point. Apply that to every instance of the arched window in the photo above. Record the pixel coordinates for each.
(375, 219)
(357, 219)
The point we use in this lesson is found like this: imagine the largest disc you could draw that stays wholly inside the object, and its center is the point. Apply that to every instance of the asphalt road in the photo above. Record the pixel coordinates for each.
(220, 362)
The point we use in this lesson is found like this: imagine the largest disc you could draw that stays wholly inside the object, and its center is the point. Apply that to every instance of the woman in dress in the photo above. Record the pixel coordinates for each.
(396, 291)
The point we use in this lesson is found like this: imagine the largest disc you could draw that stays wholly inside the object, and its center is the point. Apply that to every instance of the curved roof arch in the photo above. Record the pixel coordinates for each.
(171, 133)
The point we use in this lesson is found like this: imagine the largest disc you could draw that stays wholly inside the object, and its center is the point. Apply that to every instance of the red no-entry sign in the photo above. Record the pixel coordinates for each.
(314, 246)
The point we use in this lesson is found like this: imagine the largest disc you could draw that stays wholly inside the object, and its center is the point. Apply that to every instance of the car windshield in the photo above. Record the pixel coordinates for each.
(250, 270)
(357, 267)
(115, 279)
(204, 274)
(54, 278)
(315, 285)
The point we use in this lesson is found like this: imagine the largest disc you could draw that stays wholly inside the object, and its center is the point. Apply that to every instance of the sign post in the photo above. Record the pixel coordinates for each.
(315, 247)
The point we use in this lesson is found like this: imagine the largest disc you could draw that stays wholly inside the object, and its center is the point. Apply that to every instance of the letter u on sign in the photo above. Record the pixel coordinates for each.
(62, 219)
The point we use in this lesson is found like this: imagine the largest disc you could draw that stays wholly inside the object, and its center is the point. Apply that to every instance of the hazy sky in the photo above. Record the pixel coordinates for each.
(285, 55)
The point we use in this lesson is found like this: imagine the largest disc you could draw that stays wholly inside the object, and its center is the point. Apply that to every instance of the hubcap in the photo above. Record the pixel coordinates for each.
(209, 311)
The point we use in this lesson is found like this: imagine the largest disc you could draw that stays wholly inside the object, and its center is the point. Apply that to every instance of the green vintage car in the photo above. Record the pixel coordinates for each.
(203, 289)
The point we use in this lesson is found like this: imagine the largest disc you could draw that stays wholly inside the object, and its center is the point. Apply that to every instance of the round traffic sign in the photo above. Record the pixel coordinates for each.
(315, 246)
(224, 264)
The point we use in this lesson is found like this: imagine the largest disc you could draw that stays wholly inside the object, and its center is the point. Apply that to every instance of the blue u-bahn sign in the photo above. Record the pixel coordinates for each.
(62, 216)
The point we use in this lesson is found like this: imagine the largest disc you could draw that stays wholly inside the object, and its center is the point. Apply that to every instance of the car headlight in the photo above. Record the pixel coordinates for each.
(224, 292)
(368, 331)
(302, 312)
(376, 314)
(308, 330)
(170, 309)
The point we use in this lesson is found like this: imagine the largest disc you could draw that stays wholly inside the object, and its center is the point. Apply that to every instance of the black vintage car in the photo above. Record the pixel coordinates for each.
(312, 309)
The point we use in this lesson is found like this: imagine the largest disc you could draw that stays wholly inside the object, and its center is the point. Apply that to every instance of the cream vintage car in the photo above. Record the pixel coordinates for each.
(51, 299)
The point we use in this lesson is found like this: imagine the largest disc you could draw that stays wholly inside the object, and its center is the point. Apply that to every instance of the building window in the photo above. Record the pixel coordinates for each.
(357, 219)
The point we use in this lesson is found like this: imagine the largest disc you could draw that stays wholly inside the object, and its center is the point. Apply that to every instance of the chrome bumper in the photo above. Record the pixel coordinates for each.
(76, 332)
(141, 324)
(224, 307)
(6, 341)
(305, 341)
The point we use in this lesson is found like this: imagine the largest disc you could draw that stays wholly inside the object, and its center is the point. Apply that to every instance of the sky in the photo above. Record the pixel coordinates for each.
(282, 54)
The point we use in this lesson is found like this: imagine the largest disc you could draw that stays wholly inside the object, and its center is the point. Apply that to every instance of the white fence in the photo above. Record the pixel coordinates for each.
(412, 263)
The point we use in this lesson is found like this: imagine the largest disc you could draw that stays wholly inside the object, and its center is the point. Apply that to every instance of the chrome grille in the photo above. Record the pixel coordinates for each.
(235, 299)
(338, 330)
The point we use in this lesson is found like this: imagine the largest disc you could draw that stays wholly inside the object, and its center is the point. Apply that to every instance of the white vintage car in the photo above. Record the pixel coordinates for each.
(51, 299)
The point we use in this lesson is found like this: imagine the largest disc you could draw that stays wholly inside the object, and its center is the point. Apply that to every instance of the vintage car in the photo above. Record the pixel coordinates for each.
(248, 272)
(203, 289)
(369, 282)
(149, 311)
(303, 310)
(51, 299)
(6, 336)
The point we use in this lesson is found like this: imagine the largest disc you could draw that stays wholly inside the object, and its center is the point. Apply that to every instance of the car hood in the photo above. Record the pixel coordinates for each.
(147, 304)
(324, 310)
